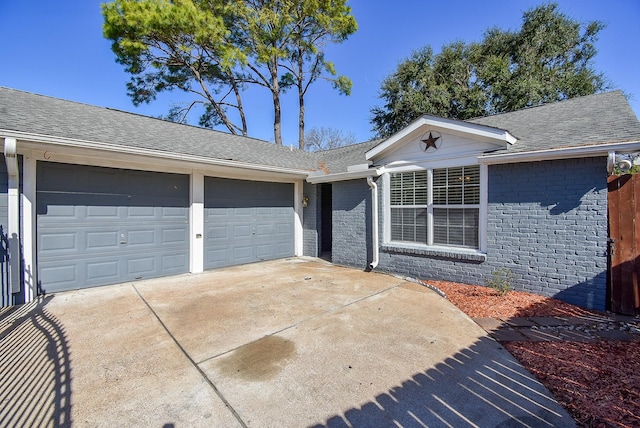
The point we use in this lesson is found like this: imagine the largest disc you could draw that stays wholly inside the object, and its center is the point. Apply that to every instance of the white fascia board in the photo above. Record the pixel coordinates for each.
(158, 154)
(454, 126)
(560, 153)
(317, 178)
(359, 167)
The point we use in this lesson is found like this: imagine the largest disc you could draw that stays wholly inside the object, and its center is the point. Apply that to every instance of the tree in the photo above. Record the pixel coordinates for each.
(215, 49)
(324, 138)
(178, 45)
(318, 22)
(283, 38)
(441, 85)
(548, 59)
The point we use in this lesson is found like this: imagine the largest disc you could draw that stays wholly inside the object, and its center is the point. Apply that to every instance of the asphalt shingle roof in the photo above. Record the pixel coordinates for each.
(337, 160)
(592, 119)
(582, 121)
(39, 114)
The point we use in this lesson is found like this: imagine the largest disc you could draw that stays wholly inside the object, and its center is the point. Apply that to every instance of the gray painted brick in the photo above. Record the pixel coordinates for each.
(547, 223)
(310, 220)
(351, 230)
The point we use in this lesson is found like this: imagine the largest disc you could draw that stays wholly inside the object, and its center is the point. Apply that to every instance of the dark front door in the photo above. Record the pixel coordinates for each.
(326, 198)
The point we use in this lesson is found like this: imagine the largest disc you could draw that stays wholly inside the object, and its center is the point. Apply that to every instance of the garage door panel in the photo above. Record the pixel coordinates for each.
(174, 262)
(243, 254)
(61, 212)
(264, 230)
(141, 237)
(141, 265)
(219, 232)
(240, 231)
(282, 229)
(60, 274)
(109, 232)
(169, 213)
(144, 212)
(247, 221)
(242, 212)
(264, 211)
(58, 242)
(101, 212)
(171, 236)
(216, 256)
(98, 271)
(101, 240)
(283, 248)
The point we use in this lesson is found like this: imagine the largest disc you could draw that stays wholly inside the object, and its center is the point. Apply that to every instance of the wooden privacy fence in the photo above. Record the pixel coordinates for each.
(624, 247)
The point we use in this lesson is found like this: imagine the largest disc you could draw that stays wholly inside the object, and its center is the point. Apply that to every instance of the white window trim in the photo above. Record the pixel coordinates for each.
(430, 247)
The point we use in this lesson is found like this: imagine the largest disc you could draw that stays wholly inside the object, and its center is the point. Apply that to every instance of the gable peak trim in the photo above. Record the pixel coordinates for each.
(454, 126)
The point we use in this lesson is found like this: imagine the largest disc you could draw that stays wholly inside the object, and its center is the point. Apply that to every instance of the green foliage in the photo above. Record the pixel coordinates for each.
(635, 169)
(182, 44)
(440, 85)
(215, 49)
(501, 281)
(548, 59)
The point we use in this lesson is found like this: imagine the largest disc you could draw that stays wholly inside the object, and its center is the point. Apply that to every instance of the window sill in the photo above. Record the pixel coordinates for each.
(435, 252)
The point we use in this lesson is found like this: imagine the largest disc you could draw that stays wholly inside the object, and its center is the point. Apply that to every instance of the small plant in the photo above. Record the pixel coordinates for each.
(501, 281)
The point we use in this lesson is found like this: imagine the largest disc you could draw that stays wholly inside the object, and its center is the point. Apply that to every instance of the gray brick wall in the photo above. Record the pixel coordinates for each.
(351, 232)
(547, 223)
(310, 223)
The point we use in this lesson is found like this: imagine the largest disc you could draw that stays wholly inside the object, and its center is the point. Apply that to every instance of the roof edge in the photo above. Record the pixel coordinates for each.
(591, 150)
(84, 144)
(318, 178)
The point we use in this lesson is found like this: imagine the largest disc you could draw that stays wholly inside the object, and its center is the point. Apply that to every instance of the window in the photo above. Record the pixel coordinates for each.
(436, 207)
(409, 198)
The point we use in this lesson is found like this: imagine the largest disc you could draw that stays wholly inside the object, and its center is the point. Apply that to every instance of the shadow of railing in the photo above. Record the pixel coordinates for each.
(480, 386)
(35, 367)
(4, 269)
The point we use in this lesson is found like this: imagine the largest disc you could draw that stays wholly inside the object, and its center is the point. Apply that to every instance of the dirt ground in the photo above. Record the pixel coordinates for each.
(598, 383)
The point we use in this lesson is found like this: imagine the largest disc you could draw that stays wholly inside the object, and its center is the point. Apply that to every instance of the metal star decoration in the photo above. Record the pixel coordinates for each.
(430, 142)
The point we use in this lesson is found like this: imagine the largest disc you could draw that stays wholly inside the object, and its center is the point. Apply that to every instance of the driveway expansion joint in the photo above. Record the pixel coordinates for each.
(302, 321)
(193, 363)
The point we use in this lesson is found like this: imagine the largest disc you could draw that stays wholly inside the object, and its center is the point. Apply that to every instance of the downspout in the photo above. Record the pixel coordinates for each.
(13, 220)
(374, 222)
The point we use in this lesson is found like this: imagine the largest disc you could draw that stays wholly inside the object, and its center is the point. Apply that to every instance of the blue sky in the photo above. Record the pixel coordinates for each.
(56, 48)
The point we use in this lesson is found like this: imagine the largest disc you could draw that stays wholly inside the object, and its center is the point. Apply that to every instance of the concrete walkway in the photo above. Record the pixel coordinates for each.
(589, 328)
(294, 343)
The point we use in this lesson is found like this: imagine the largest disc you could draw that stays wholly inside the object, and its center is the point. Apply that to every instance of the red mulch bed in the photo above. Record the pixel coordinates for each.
(598, 383)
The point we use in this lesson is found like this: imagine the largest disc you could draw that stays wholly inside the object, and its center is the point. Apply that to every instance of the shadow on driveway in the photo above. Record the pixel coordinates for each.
(35, 367)
(294, 342)
(467, 389)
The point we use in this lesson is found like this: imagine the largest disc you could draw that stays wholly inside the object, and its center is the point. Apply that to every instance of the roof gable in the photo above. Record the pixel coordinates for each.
(453, 137)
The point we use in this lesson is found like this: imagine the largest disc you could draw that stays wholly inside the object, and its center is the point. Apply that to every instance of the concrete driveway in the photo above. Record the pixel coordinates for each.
(295, 343)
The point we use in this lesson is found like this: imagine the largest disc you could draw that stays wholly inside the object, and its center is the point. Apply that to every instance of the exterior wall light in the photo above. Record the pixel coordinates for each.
(623, 162)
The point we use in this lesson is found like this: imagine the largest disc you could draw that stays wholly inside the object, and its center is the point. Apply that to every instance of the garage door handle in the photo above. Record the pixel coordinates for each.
(123, 239)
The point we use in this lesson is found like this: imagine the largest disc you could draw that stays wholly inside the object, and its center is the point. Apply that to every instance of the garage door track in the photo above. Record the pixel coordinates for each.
(292, 342)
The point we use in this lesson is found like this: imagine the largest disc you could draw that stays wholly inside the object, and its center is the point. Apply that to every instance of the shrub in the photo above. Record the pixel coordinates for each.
(501, 280)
